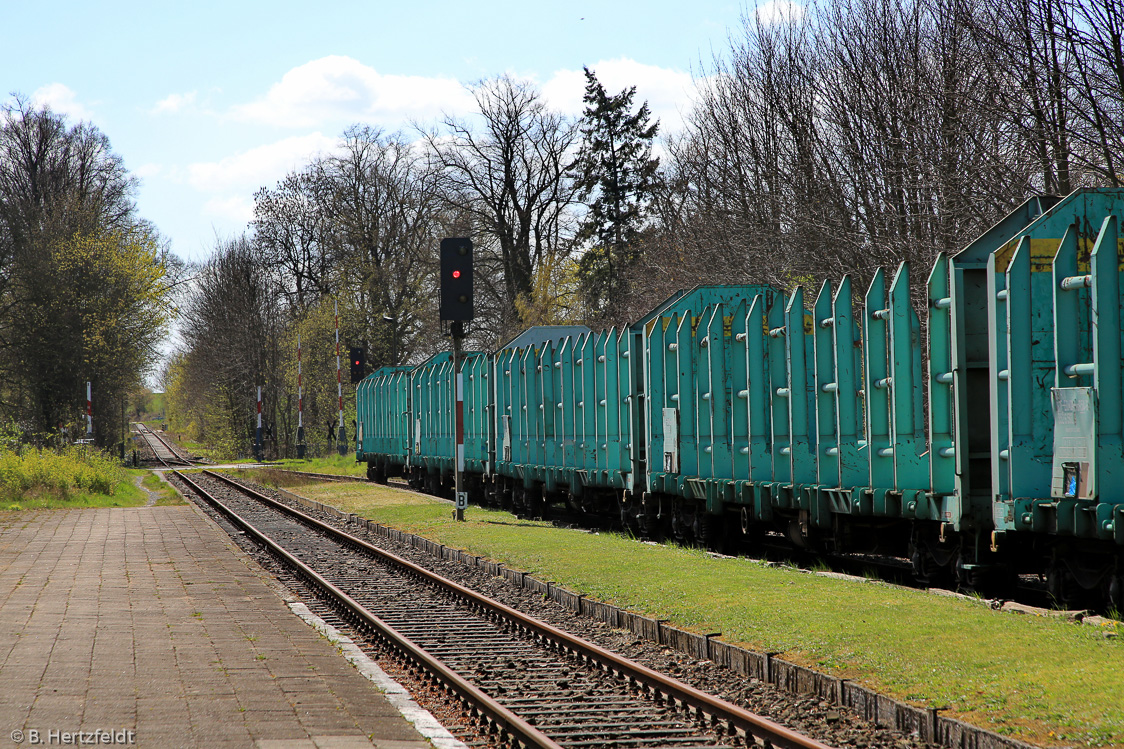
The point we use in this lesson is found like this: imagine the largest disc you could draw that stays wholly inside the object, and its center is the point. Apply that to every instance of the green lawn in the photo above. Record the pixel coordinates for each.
(1040, 679)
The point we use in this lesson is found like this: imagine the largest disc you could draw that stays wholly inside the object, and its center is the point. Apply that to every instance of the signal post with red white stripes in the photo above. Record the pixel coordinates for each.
(300, 405)
(457, 330)
(259, 448)
(456, 307)
(341, 438)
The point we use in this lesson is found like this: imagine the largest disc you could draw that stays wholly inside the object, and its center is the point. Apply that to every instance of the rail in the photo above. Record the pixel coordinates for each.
(674, 690)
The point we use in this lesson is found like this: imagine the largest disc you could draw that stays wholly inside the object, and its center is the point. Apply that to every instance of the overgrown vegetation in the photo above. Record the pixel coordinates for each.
(283, 474)
(76, 476)
(274, 478)
(1043, 680)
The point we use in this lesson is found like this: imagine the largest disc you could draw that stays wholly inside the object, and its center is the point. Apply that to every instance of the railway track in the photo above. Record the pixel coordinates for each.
(166, 453)
(338, 477)
(528, 682)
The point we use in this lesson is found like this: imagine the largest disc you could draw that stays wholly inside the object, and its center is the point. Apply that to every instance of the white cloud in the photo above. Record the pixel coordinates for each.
(778, 11)
(324, 95)
(236, 208)
(335, 90)
(227, 186)
(174, 103)
(257, 167)
(60, 99)
(341, 88)
(668, 92)
(148, 170)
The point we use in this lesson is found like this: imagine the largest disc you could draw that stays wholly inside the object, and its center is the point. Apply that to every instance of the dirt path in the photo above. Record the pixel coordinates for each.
(151, 494)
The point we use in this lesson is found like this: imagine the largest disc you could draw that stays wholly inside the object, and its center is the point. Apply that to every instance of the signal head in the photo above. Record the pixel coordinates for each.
(456, 279)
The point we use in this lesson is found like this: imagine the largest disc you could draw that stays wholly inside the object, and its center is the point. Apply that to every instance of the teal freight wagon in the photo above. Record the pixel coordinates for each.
(972, 419)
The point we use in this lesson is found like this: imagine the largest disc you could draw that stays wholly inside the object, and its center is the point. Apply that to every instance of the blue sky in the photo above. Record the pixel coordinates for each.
(208, 101)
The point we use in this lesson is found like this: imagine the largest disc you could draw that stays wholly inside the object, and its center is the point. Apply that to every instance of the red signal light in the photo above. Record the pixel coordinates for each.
(456, 274)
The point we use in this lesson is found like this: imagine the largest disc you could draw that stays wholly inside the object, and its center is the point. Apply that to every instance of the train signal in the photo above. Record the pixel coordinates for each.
(358, 364)
(456, 279)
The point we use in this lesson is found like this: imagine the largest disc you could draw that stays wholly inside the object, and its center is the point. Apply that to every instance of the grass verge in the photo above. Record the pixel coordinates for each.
(165, 495)
(336, 464)
(1040, 679)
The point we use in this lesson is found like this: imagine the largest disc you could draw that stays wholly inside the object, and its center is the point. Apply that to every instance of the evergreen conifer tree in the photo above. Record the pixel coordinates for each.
(615, 176)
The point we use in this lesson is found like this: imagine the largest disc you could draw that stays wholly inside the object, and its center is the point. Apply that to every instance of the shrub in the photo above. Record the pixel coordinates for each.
(76, 470)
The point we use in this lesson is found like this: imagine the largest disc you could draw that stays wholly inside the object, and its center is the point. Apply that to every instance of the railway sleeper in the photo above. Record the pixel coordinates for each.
(616, 669)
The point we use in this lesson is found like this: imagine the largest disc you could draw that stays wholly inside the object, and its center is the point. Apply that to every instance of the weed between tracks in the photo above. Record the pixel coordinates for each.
(273, 477)
(277, 474)
(341, 464)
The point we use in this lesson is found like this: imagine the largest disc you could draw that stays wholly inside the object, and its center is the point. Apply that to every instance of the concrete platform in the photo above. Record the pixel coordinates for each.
(150, 620)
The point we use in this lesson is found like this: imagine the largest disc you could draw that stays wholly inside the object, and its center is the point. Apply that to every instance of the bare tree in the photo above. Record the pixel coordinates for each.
(908, 101)
(231, 336)
(386, 219)
(1093, 34)
(509, 179)
(1029, 69)
(291, 228)
(857, 135)
(55, 174)
(750, 156)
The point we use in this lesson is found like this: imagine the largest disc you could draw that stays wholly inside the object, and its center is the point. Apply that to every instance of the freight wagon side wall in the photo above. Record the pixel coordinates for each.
(824, 413)
(433, 406)
(560, 413)
(700, 433)
(382, 431)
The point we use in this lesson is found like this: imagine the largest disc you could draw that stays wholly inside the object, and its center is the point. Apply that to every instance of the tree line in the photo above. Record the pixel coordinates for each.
(86, 285)
(847, 136)
(867, 132)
